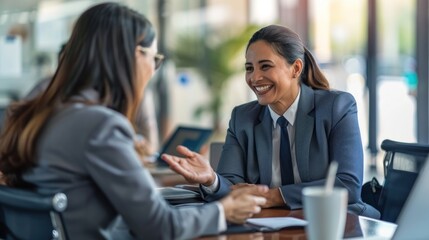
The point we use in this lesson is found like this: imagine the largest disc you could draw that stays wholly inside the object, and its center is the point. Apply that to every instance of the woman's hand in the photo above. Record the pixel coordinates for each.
(243, 202)
(273, 195)
(193, 166)
(274, 198)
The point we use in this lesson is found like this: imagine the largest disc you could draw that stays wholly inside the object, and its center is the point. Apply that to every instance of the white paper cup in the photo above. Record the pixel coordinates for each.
(325, 213)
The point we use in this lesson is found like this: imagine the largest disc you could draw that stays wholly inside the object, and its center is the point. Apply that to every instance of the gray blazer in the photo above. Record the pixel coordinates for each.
(88, 153)
(326, 129)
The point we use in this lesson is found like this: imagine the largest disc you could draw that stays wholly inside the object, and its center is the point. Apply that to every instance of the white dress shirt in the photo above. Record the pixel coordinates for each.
(290, 115)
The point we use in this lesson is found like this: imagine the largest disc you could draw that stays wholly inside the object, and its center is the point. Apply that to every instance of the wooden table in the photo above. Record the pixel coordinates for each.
(356, 227)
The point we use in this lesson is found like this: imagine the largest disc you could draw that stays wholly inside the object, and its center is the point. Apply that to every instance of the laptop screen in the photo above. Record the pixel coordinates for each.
(414, 218)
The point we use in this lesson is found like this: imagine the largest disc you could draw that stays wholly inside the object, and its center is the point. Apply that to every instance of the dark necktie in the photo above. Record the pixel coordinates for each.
(285, 156)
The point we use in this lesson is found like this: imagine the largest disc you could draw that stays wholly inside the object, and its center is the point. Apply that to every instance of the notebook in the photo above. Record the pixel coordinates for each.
(191, 137)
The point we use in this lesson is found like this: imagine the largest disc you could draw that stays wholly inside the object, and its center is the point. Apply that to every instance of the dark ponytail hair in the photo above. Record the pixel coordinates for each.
(288, 44)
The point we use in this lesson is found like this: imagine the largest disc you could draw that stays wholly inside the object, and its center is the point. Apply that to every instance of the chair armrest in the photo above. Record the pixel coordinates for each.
(31, 200)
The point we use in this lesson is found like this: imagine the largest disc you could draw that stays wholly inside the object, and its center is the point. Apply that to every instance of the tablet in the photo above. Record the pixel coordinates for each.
(191, 137)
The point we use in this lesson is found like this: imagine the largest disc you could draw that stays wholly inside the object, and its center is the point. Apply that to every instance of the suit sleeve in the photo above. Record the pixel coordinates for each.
(231, 168)
(115, 168)
(344, 146)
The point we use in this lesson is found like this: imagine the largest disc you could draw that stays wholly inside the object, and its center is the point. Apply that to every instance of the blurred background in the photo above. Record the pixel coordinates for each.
(375, 49)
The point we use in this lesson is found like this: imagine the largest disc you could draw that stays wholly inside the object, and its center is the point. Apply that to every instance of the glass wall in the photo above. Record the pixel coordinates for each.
(338, 35)
(397, 70)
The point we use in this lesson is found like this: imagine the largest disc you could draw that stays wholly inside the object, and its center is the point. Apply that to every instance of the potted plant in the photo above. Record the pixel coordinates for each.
(215, 58)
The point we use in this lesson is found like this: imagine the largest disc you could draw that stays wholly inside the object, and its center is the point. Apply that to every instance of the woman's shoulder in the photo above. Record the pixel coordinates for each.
(248, 113)
(334, 101)
(92, 115)
(252, 106)
(97, 111)
(333, 95)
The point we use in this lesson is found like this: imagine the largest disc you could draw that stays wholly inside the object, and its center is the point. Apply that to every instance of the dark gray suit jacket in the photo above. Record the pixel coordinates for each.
(326, 129)
(88, 153)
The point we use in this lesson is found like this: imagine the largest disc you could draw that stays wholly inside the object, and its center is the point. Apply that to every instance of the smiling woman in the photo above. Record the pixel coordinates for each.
(321, 127)
(274, 81)
(275, 66)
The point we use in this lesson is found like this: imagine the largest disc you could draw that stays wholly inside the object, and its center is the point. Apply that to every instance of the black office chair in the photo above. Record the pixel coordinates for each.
(30, 215)
(402, 164)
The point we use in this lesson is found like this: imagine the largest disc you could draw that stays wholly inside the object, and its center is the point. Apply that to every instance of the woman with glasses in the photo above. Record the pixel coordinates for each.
(147, 139)
(77, 137)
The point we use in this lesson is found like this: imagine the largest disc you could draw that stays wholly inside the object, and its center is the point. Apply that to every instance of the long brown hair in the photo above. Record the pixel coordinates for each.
(289, 45)
(99, 55)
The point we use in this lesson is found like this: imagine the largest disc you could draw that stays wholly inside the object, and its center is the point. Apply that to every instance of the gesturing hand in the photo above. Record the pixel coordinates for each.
(193, 167)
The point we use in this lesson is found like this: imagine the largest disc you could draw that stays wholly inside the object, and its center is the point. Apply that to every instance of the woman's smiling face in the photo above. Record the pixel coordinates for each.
(274, 81)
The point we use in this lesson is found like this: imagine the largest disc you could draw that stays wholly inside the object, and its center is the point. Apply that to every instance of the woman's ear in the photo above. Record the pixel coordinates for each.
(297, 68)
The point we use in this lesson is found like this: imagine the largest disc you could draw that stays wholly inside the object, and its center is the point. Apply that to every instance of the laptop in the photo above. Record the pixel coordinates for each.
(191, 137)
(413, 221)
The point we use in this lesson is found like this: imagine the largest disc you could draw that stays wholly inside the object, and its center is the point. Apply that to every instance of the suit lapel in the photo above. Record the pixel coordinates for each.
(304, 126)
(263, 141)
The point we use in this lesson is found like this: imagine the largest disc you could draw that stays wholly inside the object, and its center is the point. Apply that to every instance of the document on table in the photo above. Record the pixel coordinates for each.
(270, 224)
(276, 223)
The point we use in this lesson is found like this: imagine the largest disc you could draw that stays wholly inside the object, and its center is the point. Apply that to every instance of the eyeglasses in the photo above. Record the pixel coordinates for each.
(157, 58)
